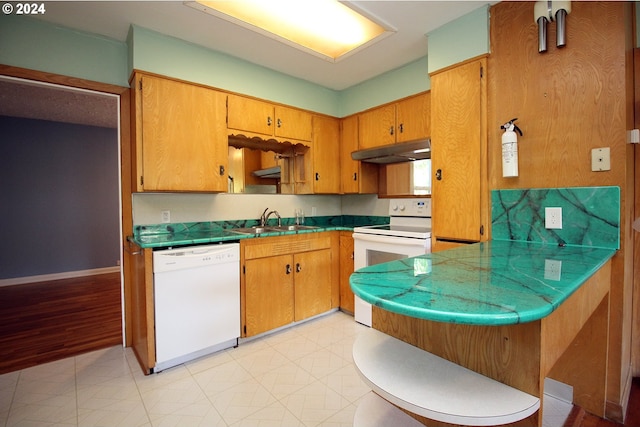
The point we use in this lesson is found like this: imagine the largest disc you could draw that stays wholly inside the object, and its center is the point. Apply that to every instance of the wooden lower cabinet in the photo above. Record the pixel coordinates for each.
(312, 283)
(142, 306)
(286, 279)
(346, 269)
(269, 293)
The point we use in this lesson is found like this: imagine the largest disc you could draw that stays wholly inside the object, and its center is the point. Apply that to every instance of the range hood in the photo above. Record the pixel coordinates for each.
(395, 153)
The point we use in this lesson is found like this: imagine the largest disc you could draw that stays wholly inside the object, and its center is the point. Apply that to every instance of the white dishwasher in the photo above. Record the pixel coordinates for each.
(197, 302)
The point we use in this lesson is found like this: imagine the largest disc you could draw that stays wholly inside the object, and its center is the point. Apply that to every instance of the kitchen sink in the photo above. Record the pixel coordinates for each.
(292, 227)
(250, 230)
(260, 229)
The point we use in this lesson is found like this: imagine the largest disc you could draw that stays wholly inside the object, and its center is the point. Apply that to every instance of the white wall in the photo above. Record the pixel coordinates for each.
(147, 208)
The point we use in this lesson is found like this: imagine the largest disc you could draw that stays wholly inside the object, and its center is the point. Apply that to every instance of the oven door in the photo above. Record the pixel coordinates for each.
(371, 249)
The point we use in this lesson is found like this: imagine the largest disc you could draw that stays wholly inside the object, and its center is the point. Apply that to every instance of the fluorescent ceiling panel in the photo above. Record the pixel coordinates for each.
(328, 29)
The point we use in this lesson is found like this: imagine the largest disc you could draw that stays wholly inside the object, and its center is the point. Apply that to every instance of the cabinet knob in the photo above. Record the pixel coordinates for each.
(221, 170)
(401, 127)
(317, 176)
(439, 174)
(268, 121)
(288, 269)
(298, 268)
(391, 130)
(355, 176)
(279, 123)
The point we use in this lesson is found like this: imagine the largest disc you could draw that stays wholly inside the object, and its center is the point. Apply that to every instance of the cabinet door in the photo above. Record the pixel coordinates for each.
(348, 144)
(250, 115)
(457, 139)
(312, 283)
(326, 167)
(413, 118)
(183, 137)
(377, 127)
(356, 177)
(142, 308)
(292, 123)
(268, 293)
(346, 269)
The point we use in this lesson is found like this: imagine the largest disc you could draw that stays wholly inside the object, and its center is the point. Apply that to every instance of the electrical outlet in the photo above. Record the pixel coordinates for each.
(552, 269)
(553, 218)
(600, 159)
(166, 217)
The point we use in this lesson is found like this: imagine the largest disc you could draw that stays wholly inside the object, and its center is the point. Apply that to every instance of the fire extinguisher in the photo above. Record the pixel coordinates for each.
(510, 149)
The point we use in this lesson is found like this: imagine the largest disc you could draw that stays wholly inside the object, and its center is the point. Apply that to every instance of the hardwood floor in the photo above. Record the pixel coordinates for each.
(579, 418)
(42, 322)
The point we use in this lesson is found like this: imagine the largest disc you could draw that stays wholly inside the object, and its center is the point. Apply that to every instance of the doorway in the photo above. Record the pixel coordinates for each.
(84, 105)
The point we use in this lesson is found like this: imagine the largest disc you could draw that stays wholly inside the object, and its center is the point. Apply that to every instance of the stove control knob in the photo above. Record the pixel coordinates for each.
(394, 208)
(402, 208)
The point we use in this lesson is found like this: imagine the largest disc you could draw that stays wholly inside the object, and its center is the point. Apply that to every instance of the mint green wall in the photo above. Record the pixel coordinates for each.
(29, 43)
(464, 38)
(399, 83)
(173, 57)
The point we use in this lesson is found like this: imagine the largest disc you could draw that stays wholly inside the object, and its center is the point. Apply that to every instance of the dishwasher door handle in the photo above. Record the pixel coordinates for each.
(194, 253)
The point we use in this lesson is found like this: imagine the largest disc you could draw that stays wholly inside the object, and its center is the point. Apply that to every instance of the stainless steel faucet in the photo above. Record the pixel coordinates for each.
(265, 217)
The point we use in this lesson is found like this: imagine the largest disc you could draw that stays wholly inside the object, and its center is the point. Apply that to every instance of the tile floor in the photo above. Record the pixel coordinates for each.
(303, 376)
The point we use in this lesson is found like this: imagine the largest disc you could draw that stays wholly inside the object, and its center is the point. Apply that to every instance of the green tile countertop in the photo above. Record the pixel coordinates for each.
(490, 283)
(195, 233)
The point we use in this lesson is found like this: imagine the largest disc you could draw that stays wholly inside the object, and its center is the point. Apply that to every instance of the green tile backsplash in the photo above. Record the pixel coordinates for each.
(590, 215)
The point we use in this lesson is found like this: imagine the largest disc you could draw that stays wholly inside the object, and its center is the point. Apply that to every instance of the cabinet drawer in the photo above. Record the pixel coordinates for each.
(282, 245)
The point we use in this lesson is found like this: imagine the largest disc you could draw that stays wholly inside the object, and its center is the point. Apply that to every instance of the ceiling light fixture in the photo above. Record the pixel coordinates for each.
(326, 28)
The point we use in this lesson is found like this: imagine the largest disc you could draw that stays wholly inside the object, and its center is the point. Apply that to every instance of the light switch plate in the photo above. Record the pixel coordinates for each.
(166, 217)
(601, 159)
(553, 218)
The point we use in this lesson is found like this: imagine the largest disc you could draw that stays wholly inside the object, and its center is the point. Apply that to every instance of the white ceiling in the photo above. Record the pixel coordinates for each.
(411, 19)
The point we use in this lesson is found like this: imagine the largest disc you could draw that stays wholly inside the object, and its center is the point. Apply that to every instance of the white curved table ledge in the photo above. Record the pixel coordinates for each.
(436, 388)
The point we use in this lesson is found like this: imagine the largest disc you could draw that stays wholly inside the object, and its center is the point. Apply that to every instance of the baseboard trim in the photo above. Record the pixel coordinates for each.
(58, 276)
(558, 390)
(616, 411)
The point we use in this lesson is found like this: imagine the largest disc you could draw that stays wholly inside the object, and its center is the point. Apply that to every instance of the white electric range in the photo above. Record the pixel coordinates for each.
(408, 234)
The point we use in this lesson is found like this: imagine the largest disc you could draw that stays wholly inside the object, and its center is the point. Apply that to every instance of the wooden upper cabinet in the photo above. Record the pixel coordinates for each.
(413, 118)
(458, 156)
(292, 123)
(377, 127)
(181, 136)
(356, 177)
(326, 166)
(255, 116)
(250, 115)
(405, 120)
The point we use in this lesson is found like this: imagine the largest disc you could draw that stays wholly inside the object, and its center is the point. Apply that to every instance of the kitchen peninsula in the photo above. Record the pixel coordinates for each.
(514, 310)
(494, 308)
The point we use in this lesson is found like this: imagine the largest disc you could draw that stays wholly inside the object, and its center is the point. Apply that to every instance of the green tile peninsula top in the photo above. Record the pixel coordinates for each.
(489, 283)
